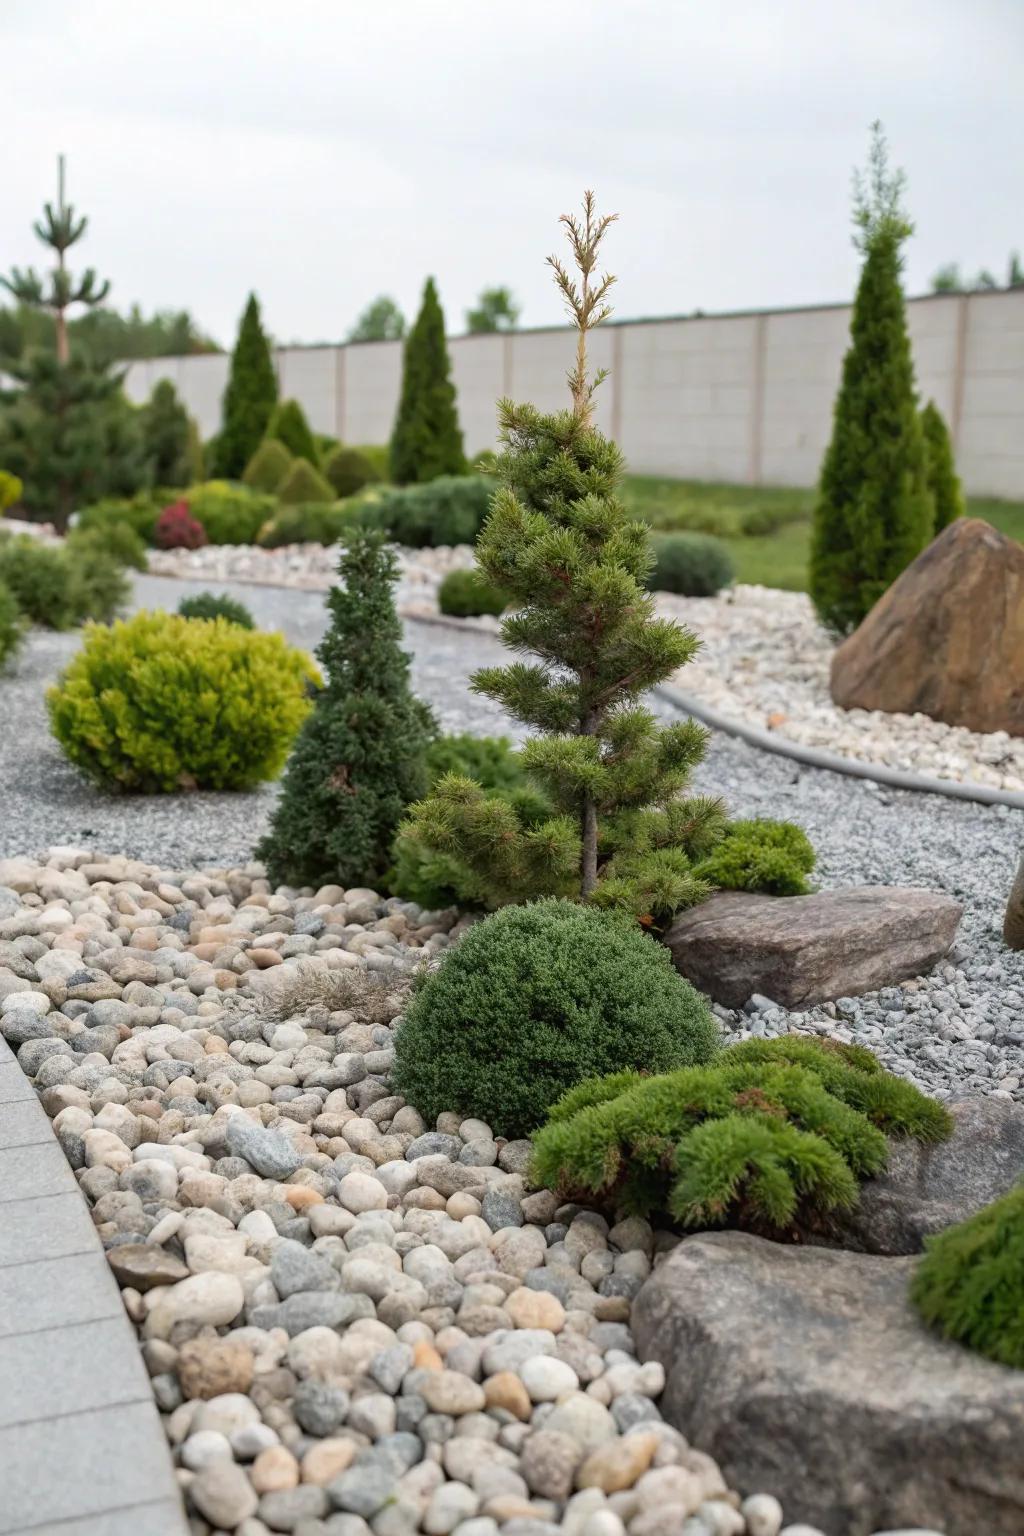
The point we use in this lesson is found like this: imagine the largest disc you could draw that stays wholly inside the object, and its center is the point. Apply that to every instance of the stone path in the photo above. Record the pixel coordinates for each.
(82, 1452)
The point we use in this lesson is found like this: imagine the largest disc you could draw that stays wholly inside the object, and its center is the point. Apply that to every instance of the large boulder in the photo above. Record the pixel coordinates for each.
(800, 950)
(927, 1188)
(805, 1373)
(947, 639)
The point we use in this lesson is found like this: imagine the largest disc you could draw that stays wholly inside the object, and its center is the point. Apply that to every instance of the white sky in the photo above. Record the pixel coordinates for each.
(325, 151)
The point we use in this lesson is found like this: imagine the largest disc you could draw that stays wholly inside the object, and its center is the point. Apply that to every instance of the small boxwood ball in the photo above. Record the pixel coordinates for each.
(533, 1000)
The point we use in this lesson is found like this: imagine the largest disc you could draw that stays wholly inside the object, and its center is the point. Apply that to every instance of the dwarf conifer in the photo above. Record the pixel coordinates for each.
(249, 398)
(426, 441)
(361, 756)
(943, 481)
(874, 511)
(165, 433)
(288, 425)
(560, 542)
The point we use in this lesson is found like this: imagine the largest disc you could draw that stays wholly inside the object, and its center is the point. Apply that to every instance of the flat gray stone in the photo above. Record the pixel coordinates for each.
(89, 1365)
(269, 1152)
(24, 1124)
(14, 1085)
(35, 1171)
(55, 1293)
(45, 1229)
(805, 1372)
(801, 950)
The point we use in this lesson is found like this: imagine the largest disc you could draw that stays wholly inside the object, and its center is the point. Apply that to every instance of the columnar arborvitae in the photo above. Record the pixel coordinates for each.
(943, 482)
(559, 540)
(360, 758)
(249, 398)
(166, 435)
(426, 441)
(874, 513)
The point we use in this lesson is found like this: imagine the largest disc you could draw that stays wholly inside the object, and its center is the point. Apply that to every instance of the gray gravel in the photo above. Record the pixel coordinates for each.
(960, 1031)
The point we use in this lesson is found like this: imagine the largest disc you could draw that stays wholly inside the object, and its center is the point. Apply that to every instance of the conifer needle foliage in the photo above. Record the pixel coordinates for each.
(250, 396)
(970, 1283)
(943, 481)
(560, 542)
(874, 513)
(360, 758)
(427, 440)
(772, 1134)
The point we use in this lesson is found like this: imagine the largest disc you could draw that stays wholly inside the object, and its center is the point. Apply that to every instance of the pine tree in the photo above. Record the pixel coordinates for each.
(560, 541)
(943, 482)
(360, 759)
(874, 513)
(165, 430)
(249, 398)
(288, 425)
(427, 440)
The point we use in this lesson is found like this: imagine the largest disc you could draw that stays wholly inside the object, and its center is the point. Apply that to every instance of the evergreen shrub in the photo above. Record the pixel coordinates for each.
(774, 1135)
(167, 436)
(230, 513)
(970, 1283)
(115, 540)
(689, 564)
(207, 605)
(774, 857)
(533, 1000)
(267, 467)
(464, 594)
(11, 490)
(943, 482)
(426, 441)
(140, 512)
(303, 483)
(38, 577)
(288, 425)
(309, 523)
(99, 589)
(347, 470)
(11, 625)
(160, 703)
(176, 528)
(249, 398)
(449, 510)
(378, 456)
(360, 758)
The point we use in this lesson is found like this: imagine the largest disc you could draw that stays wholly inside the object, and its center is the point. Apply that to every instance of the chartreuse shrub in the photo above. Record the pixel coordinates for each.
(465, 594)
(303, 483)
(347, 470)
(12, 625)
(229, 512)
(970, 1283)
(943, 482)
(361, 756)
(449, 510)
(535, 999)
(774, 857)
(160, 703)
(874, 512)
(689, 564)
(774, 1134)
(267, 467)
(11, 490)
(207, 605)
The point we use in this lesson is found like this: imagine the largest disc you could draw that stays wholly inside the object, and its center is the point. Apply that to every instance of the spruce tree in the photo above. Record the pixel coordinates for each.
(360, 758)
(249, 398)
(874, 511)
(943, 482)
(560, 541)
(427, 440)
(165, 430)
(288, 425)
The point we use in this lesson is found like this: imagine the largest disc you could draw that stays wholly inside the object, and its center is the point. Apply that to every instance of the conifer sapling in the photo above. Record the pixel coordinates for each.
(943, 481)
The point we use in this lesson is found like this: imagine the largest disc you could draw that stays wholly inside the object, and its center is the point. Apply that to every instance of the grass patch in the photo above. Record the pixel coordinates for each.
(779, 555)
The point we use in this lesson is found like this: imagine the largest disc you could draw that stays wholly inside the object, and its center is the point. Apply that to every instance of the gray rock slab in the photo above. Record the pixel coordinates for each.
(160, 1518)
(806, 1374)
(87, 1364)
(14, 1085)
(800, 950)
(24, 1124)
(57, 1293)
(34, 1172)
(45, 1229)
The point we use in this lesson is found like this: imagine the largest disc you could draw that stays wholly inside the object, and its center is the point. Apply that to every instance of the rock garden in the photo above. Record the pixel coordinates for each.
(504, 1107)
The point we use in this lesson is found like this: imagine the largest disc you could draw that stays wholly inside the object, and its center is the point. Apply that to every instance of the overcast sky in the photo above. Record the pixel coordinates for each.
(325, 151)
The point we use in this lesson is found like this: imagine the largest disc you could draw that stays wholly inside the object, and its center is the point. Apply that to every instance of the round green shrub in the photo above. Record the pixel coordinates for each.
(465, 594)
(38, 577)
(98, 587)
(117, 541)
(267, 467)
(161, 703)
(689, 564)
(230, 513)
(533, 1000)
(139, 512)
(774, 857)
(310, 523)
(11, 626)
(288, 425)
(448, 510)
(378, 456)
(11, 490)
(303, 483)
(347, 470)
(970, 1283)
(207, 605)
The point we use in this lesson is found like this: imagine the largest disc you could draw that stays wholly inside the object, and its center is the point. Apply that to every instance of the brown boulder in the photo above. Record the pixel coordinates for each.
(800, 950)
(947, 639)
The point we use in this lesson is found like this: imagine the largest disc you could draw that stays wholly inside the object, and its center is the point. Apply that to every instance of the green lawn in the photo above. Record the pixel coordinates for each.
(777, 558)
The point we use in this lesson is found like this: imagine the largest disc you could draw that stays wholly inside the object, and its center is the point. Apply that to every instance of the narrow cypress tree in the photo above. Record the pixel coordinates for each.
(874, 512)
(559, 540)
(427, 440)
(288, 425)
(249, 398)
(165, 430)
(360, 758)
(943, 482)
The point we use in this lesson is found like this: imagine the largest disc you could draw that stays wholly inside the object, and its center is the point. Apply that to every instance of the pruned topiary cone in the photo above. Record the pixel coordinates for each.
(1013, 922)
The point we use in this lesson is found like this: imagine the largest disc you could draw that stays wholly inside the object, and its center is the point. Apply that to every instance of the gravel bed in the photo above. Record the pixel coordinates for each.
(961, 1030)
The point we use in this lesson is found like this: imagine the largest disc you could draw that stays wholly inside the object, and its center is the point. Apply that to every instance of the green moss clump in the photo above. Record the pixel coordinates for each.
(533, 1000)
(774, 1134)
(465, 594)
(774, 857)
(207, 605)
(970, 1283)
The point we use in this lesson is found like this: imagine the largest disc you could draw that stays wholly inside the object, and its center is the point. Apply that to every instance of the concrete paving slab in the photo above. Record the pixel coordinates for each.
(45, 1229)
(57, 1293)
(86, 1365)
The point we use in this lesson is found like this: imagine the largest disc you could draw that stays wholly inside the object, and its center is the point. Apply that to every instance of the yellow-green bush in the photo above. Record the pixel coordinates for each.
(161, 703)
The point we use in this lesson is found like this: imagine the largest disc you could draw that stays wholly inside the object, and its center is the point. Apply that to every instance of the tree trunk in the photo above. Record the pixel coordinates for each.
(1013, 922)
(588, 853)
(61, 331)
